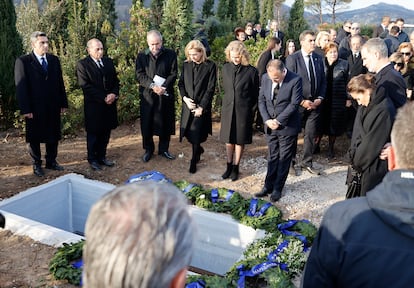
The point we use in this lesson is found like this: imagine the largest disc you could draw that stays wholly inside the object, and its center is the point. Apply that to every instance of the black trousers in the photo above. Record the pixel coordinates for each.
(96, 144)
(281, 151)
(311, 121)
(163, 144)
(36, 154)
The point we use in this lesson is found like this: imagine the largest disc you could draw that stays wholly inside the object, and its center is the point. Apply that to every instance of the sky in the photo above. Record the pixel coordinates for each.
(357, 4)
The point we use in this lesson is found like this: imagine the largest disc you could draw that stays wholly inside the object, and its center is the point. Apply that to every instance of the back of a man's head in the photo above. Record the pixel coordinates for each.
(138, 235)
(377, 45)
(402, 137)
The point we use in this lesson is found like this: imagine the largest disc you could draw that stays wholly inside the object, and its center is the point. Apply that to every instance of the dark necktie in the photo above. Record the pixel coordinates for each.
(100, 65)
(275, 92)
(355, 57)
(44, 64)
(311, 75)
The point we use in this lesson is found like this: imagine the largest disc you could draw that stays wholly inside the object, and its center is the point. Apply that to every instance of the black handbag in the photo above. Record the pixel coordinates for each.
(354, 183)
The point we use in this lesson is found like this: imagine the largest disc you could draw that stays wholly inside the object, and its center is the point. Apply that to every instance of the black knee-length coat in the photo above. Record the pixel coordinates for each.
(198, 82)
(41, 93)
(96, 84)
(241, 90)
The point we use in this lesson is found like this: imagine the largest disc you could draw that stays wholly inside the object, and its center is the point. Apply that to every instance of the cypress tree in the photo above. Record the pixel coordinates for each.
(250, 11)
(222, 9)
(176, 27)
(11, 48)
(108, 11)
(266, 12)
(297, 23)
(207, 9)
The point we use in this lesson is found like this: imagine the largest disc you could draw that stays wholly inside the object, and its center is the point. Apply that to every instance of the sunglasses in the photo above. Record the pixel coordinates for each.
(406, 53)
(399, 64)
(349, 27)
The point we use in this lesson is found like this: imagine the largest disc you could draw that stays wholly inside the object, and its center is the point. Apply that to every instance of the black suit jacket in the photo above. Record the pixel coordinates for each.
(96, 84)
(286, 108)
(296, 64)
(355, 66)
(390, 83)
(41, 93)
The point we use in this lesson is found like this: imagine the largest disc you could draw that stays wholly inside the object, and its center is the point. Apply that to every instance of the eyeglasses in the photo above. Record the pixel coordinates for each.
(406, 53)
(349, 27)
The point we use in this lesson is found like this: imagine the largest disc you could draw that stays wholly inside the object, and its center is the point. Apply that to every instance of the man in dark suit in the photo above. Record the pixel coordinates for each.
(389, 81)
(381, 28)
(356, 67)
(310, 67)
(275, 32)
(42, 98)
(156, 72)
(100, 85)
(279, 99)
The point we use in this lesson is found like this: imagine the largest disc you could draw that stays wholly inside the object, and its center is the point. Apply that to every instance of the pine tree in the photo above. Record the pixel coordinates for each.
(11, 48)
(176, 27)
(207, 10)
(297, 23)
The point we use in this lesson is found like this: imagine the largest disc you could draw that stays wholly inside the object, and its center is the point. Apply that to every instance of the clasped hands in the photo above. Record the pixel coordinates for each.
(159, 90)
(311, 105)
(197, 110)
(272, 124)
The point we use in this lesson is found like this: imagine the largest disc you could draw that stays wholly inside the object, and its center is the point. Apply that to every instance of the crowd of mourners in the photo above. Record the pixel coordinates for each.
(337, 82)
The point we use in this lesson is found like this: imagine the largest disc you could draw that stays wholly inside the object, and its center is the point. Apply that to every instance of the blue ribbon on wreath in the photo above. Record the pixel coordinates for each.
(148, 175)
(189, 187)
(78, 265)
(283, 228)
(252, 212)
(197, 284)
(260, 268)
(215, 196)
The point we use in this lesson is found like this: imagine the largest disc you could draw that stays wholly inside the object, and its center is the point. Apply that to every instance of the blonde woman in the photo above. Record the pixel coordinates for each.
(241, 90)
(197, 85)
(407, 71)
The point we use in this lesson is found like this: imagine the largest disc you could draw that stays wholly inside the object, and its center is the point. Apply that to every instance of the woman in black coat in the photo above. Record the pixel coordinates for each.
(373, 123)
(241, 90)
(333, 114)
(197, 85)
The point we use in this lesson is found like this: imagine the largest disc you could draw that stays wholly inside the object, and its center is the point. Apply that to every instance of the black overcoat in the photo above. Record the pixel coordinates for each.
(333, 113)
(157, 112)
(41, 93)
(199, 86)
(241, 91)
(372, 130)
(96, 84)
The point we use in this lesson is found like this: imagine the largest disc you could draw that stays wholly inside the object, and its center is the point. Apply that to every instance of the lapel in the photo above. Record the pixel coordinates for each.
(36, 65)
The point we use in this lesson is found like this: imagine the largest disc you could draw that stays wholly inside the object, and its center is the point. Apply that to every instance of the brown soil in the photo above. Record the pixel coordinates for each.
(24, 262)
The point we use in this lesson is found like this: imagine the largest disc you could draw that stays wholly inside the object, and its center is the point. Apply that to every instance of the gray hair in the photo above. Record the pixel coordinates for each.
(154, 33)
(35, 34)
(138, 235)
(402, 137)
(376, 45)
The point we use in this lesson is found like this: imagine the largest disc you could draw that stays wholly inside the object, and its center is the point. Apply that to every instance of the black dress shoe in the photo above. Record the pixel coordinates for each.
(167, 155)
(311, 170)
(147, 156)
(38, 171)
(54, 166)
(263, 193)
(95, 166)
(275, 196)
(106, 162)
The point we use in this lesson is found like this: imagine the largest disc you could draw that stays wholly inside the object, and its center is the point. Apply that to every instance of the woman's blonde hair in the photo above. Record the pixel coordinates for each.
(239, 47)
(198, 46)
